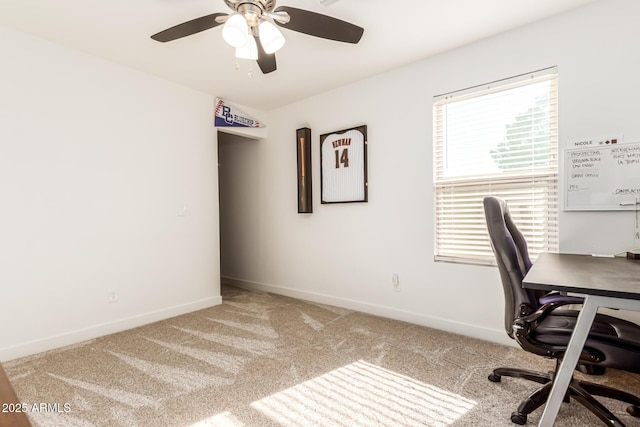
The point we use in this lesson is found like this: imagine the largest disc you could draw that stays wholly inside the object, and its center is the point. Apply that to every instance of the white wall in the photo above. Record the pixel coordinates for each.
(345, 254)
(96, 163)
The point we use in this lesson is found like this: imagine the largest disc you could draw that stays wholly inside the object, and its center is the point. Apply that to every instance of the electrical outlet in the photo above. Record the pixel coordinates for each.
(113, 297)
(395, 282)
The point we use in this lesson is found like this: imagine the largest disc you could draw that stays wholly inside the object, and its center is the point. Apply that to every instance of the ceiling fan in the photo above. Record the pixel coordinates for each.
(251, 30)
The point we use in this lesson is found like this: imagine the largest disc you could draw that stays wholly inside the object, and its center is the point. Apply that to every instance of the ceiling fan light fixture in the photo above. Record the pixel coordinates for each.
(270, 37)
(251, 28)
(249, 50)
(235, 31)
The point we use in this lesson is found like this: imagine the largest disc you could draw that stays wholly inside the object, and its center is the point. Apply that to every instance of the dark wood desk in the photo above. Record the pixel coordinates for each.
(586, 274)
(603, 282)
(8, 396)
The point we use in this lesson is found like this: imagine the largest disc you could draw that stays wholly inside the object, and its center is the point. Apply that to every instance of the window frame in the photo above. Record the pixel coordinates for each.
(531, 193)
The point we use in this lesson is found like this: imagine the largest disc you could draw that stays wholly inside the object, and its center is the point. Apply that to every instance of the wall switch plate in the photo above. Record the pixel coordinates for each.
(395, 281)
(113, 297)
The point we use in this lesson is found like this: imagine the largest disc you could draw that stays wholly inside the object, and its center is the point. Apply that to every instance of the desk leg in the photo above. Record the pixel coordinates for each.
(570, 359)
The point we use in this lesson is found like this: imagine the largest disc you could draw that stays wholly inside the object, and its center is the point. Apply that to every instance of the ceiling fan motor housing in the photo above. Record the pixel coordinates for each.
(263, 5)
(255, 11)
(251, 13)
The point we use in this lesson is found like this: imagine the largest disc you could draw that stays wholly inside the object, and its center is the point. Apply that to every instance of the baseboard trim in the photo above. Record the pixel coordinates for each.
(80, 335)
(461, 328)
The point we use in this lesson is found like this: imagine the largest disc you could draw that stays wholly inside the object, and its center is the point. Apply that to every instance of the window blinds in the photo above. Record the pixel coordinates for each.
(498, 139)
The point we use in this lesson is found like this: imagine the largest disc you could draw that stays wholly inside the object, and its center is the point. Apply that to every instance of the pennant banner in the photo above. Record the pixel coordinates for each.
(229, 116)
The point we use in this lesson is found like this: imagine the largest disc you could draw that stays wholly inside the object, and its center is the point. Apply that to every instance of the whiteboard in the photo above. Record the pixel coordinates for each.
(602, 178)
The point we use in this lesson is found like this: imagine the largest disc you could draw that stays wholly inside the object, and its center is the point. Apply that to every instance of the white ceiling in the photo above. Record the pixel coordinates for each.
(396, 33)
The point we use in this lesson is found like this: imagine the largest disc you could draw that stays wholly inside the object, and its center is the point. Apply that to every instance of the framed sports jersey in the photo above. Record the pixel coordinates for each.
(343, 171)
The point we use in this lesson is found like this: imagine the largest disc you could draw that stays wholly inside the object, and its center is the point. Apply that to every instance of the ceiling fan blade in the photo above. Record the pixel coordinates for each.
(318, 25)
(266, 61)
(188, 28)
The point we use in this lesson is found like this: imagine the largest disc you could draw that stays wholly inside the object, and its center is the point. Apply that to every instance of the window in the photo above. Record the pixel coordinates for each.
(498, 139)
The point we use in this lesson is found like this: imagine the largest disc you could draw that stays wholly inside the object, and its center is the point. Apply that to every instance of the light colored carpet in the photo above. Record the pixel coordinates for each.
(267, 360)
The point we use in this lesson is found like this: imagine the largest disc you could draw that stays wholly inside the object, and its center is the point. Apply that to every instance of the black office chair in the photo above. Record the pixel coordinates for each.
(545, 329)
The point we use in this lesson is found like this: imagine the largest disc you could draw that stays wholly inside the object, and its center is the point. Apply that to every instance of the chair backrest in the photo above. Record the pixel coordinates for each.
(512, 257)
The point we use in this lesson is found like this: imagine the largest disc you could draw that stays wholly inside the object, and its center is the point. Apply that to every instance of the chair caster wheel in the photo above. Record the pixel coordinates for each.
(494, 378)
(519, 419)
(633, 410)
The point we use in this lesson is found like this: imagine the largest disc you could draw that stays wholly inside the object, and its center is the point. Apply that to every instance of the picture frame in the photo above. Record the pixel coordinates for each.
(343, 170)
(305, 191)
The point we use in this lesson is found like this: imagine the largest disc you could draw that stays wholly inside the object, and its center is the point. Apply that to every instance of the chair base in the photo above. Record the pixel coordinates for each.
(581, 391)
(591, 369)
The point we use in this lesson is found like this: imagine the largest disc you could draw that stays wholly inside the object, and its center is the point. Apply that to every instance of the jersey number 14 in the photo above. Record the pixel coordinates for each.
(342, 158)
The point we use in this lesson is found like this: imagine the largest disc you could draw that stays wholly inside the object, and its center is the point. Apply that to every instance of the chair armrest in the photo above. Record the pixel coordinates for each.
(523, 326)
(531, 321)
(558, 297)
